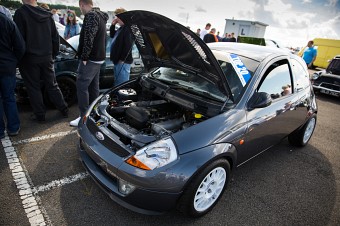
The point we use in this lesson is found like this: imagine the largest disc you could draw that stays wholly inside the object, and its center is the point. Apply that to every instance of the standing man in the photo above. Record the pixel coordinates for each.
(205, 30)
(309, 55)
(232, 38)
(198, 32)
(12, 48)
(91, 53)
(42, 46)
(210, 37)
(121, 46)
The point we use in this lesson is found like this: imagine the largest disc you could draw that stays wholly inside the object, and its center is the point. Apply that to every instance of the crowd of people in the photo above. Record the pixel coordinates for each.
(209, 34)
(20, 45)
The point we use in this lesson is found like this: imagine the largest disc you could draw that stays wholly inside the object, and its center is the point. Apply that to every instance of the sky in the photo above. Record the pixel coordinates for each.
(291, 22)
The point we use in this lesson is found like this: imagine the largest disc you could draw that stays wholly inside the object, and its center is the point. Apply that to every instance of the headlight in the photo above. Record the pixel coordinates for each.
(154, 155)
(316, 75)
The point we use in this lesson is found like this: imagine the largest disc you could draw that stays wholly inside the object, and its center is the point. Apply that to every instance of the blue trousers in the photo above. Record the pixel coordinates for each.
(8, 105)
(121, 72)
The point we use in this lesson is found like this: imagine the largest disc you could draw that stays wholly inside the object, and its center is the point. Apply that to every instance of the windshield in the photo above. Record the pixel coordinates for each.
(189, 82)
(334, 66)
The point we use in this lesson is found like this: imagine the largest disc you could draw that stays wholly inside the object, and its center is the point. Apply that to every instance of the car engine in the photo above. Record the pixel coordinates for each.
(141, 118)
(152, 117)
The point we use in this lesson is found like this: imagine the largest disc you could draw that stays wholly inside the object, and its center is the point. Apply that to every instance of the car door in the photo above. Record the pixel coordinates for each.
(268, 125)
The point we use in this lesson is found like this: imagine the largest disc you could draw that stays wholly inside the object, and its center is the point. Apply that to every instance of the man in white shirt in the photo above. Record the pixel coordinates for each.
(205, 30)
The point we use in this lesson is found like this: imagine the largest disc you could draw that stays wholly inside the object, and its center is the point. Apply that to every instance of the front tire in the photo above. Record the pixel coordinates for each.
(204, 191)
(301, 136)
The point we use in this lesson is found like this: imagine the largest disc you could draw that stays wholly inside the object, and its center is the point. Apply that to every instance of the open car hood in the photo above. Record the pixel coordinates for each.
(66, 44)
(163, 42)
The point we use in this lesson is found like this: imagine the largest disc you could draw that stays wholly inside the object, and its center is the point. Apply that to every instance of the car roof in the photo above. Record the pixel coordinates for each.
(255, 52)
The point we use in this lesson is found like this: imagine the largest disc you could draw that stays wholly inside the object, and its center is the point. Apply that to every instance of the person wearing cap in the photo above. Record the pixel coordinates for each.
(121, 47)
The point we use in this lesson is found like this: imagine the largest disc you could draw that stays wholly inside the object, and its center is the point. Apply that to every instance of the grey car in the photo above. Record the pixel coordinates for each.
(172, 137)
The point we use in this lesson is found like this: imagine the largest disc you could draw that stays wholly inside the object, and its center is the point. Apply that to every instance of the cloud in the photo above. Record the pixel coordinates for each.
(200, 9)
(327, 29)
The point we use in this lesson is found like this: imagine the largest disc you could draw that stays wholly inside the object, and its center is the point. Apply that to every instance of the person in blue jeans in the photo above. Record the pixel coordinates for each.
(12, 49)
(121, 46)
(309, 55)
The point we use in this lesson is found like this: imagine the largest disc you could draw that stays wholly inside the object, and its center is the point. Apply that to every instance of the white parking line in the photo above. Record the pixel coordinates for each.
(61, 182)
(45, 137)
(36, 214)
(31, 202)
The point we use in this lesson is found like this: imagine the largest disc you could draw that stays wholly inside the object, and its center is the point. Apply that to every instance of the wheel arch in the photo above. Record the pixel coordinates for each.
(225, 151)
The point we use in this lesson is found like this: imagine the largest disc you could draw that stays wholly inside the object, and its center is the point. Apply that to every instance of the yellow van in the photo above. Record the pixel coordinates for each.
(327, 50)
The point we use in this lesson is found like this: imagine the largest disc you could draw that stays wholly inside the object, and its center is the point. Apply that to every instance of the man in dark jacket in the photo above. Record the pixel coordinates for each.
(121, 47)
(12, 48)
(42, 45)
(210, 37)
(91, 52)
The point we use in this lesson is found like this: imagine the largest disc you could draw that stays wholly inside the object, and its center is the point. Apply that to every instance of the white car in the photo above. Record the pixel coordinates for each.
(60, 28)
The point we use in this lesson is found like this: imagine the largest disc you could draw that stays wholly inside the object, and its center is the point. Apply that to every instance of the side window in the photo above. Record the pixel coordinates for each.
(277, 80)
(300, 74)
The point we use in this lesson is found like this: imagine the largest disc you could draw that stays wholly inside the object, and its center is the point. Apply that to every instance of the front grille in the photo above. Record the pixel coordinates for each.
(330, 86)
(107, 141)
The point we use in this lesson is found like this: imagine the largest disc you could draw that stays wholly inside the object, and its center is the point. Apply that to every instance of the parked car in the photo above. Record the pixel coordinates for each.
(60, 28)
(172, 137)
(328, 81)
(66, 65)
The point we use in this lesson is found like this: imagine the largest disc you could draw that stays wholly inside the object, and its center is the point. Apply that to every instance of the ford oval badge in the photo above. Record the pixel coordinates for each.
(99, 136)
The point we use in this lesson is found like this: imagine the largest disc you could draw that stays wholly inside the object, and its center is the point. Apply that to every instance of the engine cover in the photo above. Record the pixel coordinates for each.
(137, 117)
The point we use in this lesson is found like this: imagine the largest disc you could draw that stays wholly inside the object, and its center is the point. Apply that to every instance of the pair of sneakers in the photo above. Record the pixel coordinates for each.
(11, 134)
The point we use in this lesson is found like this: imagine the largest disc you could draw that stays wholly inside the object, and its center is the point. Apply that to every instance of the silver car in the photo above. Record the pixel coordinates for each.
(172, 137)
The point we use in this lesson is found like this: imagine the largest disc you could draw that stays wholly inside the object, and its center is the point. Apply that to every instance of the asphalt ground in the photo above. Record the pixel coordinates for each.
(43, 182)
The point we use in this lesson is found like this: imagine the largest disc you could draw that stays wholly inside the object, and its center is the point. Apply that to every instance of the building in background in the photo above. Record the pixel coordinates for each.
(245, 28)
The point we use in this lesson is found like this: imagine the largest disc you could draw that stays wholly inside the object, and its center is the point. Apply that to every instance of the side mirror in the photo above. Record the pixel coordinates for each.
(259, 100)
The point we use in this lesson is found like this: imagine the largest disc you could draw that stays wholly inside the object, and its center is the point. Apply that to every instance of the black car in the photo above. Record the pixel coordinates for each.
(172, 138)
(66, 65)
(328, 81)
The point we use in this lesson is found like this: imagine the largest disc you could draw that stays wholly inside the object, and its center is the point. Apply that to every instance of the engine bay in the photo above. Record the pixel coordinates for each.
(139, 117)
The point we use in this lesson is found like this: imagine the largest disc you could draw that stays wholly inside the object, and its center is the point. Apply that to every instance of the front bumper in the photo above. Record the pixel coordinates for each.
(327, 89)
(140, 201)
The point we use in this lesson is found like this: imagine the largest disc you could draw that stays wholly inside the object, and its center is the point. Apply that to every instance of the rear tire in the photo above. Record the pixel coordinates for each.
(301, 136)
(205, 189)
(67, 87)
